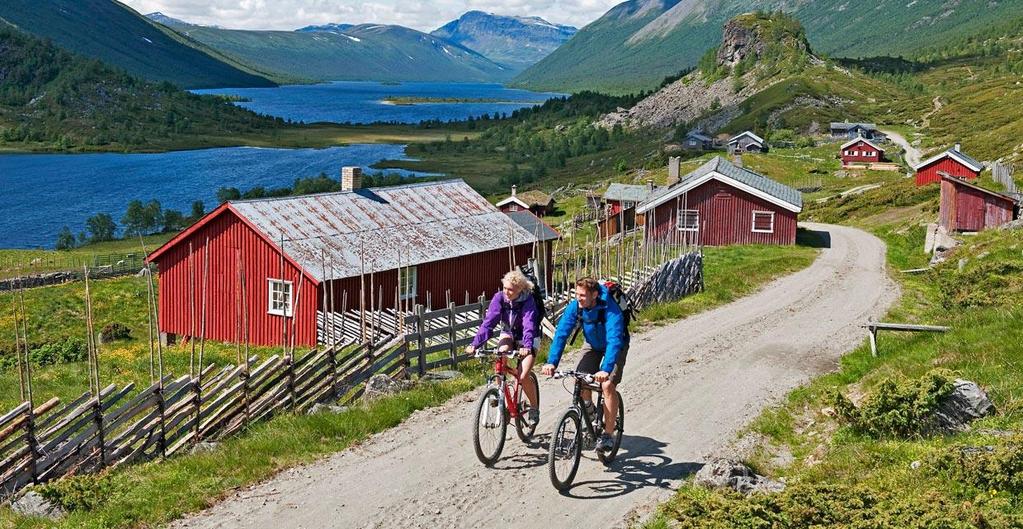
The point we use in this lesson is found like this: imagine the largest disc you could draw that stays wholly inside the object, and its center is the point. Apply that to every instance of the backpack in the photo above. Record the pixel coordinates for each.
(541, 308)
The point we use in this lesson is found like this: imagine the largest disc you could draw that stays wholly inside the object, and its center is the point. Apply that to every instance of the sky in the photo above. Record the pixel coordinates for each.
(424, 15)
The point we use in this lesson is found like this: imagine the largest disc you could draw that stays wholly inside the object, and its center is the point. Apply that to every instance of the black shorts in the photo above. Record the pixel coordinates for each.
(592, 358)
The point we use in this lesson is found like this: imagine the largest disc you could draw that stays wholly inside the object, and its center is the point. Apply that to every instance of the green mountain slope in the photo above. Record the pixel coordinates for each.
(363, 52)
(638, 42)
(52, 99)
(109, 31)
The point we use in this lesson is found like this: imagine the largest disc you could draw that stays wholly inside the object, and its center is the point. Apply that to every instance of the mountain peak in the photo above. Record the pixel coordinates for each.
(514, 41)
(166, 20)
(326, 28)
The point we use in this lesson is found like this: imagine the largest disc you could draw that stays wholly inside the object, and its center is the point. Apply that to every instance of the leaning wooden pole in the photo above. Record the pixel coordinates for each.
(205, 305)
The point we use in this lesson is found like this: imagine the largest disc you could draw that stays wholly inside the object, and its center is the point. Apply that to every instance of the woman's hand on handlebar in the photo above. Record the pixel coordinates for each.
(470, 350)
(524, 352)
(548, 370)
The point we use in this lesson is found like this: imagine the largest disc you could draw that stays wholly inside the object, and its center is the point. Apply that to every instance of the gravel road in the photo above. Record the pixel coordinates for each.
(689, 387)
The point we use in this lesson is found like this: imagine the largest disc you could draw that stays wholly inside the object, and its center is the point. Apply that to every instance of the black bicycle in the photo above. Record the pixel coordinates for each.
(578, 428)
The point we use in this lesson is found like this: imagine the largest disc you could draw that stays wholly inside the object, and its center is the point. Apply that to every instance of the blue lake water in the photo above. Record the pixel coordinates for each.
(45, 192)
(361, 102)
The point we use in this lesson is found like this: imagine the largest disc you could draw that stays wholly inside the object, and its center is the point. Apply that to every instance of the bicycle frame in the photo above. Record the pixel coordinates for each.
(594, 425)
(501, 371)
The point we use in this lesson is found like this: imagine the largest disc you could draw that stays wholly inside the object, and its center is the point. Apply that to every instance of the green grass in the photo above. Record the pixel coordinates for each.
(732, 272)
(153, 494)
(844, 479)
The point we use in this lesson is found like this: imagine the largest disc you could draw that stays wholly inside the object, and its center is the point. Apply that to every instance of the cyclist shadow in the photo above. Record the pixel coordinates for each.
(535, 457)
(640, 464)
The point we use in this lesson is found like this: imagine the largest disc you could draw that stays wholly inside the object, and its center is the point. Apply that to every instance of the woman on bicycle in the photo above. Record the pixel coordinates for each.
(515, 309)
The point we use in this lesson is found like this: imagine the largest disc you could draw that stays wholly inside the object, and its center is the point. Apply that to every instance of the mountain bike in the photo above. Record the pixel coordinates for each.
(577, 428)
(501, 402)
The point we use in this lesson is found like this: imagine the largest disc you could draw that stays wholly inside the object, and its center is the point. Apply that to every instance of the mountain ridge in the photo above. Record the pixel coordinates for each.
(513, 41)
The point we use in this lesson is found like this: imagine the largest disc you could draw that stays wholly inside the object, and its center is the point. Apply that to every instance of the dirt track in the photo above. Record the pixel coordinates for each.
(688, 388)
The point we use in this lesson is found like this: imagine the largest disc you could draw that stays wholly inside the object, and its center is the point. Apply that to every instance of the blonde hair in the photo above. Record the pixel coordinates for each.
(516, 278)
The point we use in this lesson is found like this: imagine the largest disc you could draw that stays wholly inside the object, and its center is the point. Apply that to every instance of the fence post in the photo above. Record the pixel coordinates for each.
(97, 410)
(161, 405)
(452, 335)
(33, 445)
(289, 364)
(197, 402)
(421, 342)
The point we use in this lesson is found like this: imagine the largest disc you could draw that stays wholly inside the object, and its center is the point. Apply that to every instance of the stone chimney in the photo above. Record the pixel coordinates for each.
(674, 164)
(351, 178)
(514, 189)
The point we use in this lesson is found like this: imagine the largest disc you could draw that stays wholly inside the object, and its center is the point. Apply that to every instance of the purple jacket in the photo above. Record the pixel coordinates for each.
(517, 318)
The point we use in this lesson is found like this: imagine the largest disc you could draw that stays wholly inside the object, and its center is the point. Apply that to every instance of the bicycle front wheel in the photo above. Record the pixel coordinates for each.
(609, 456)
(489, 427)
(565, 450)
(522, 428)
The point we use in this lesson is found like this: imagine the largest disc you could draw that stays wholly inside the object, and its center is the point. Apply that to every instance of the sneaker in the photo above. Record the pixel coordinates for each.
(532, 417)
(605, 443)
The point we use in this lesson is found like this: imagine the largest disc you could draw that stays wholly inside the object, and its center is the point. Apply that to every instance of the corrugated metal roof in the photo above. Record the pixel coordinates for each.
(956, 155)
(533, 224)
(852, 142)
(753, 136)
(381, 227)
(845, 125)
(699, 135)
(627, 192)
(726, 168)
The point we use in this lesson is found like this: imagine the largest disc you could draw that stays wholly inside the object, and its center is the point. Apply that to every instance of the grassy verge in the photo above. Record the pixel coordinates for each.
(840, 475)
(152, 494)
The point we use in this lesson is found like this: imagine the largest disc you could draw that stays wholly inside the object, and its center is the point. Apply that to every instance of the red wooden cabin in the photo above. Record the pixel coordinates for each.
(969, 207)
(860, 151)
(536, 202)
(952, 162)
(720, 204)
(280, 261)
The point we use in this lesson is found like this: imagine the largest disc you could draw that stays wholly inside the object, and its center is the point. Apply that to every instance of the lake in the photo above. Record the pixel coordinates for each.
(45, 192)
(362, 102)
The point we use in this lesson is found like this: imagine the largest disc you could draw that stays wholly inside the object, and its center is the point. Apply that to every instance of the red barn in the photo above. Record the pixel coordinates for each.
(953, 162)
(969, 207)
(274, 263)
(719, 204)
(861, 150)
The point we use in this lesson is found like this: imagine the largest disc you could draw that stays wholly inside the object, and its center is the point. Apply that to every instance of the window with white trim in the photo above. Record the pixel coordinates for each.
(688, 220)
(407, 281)
(279, 299)
(763, 221)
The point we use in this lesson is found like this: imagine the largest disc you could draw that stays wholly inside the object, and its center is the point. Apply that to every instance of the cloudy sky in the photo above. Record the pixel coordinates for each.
(424, 15)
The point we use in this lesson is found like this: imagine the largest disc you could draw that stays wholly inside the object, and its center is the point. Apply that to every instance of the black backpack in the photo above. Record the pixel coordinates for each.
(541, 309)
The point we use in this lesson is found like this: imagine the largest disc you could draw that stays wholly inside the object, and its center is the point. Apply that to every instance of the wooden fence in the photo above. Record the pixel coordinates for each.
(54, 268)
(110, 429)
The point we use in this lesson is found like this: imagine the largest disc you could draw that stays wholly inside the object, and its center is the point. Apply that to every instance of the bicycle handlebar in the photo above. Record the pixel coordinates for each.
(480, 353)
(585, 377)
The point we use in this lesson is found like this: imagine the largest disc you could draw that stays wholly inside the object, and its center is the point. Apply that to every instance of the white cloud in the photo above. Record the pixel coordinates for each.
(424, 16)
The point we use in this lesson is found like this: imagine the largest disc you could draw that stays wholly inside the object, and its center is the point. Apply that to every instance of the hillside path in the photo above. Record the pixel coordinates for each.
(689, 387)
(913, 156)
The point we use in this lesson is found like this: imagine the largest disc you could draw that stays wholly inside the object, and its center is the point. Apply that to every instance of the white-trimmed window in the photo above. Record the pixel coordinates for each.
(688, 220)
(763, 221)
(407, 282)
(279, 299)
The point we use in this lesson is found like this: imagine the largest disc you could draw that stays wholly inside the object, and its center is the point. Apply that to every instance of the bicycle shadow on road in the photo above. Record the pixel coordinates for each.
(536, 455)
(640, 464)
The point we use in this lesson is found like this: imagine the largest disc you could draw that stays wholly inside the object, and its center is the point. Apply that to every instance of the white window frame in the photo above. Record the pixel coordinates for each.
(680, 220)
(288, 309)
(404, 274)
(769, 230)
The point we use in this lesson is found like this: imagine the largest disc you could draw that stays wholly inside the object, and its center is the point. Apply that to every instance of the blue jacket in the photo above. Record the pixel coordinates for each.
(608, 335)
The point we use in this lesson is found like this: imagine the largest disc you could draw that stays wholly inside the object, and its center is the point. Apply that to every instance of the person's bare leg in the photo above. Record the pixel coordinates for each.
(525, 367)
(610, 405)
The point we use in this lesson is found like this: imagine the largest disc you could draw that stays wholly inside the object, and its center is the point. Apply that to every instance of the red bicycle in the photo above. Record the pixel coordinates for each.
(501, 402)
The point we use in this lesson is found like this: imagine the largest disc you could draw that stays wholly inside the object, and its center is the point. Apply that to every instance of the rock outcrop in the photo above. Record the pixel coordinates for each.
(728, 473)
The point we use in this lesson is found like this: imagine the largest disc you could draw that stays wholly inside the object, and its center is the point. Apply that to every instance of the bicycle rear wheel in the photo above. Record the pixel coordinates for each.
(609, 456)
(565, 450)
(522, 428)
(489, 427)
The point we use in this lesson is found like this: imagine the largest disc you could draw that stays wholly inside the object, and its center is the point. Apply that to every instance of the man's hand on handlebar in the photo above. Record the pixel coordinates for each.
(601, 376)
(548, 370)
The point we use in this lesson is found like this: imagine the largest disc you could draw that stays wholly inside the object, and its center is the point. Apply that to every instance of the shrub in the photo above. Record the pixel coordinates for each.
(114, 331)
(897, 408)
(997, 468)
(60, 352)
(991, 283)
(79, 493)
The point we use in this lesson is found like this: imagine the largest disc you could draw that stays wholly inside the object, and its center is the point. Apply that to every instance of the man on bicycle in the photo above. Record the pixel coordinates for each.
(603, 354)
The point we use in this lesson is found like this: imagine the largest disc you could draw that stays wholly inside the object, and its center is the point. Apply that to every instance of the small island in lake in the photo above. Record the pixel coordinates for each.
(420, 100)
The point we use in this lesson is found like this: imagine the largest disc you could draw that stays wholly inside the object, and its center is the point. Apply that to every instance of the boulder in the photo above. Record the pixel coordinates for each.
(436, 376)
(729, 473)
(204, 447)
(34, 504)
(967, 403)
(383, 385)
(321, 407)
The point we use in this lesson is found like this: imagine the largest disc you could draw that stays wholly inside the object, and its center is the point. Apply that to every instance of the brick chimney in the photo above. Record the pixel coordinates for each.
(351, 178)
